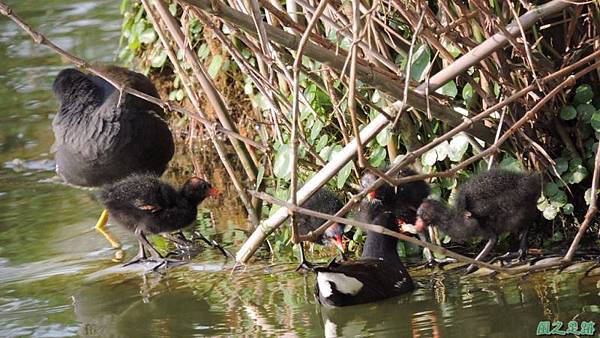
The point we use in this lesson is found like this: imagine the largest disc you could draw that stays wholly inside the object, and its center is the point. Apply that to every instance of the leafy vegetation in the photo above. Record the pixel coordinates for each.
(565, 135)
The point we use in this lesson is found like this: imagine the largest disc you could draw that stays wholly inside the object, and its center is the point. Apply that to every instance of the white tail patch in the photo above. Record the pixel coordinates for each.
(344, 284)
(330, 329)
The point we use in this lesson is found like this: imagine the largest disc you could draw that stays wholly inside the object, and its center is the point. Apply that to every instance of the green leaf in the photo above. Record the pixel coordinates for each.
(203, 51)
(173, 9)
(557, 236)
(448, 183)
(382, 137)
(595, 121)
(568, 113)
(559, 199)
(139, 27)
(429, 158)
(134, 42)
(442, 150)
(322, 142)
(467, 94)
(568, 209)
(562, 165)
(436, 191)
(587, 196)
(574, 163)
(325, 153)
(497, 89)
(376, 97)
(248, 87)
(124, 5)
(550, 212)
(259, 176)
(378, 156)
(449, 89)
(458, 146)
(579, 174)
(148, 36)
(215, 65)
(420, 62)
(316, 130)
(159, 60)
(550, 189)
(510, 163)
(451, 48)
(586, 111)
(343, 175)
(583, 94)
(542, 204)
(179, 94)
(282, 167)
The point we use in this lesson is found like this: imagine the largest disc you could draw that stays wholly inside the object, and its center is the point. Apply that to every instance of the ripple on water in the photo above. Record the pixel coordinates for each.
(29, 317)
(20, 165)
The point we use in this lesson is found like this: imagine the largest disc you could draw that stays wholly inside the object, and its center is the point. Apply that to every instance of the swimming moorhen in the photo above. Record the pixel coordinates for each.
(143, 204)
(102, 135)
(377, 275)
(324, 201)
(487, 205)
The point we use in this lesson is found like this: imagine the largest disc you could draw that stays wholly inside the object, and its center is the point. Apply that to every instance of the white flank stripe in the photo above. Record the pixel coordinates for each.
(344, 284)
(324, 287)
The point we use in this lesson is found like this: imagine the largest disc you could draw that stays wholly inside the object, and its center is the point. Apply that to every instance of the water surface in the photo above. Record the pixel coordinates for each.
(58, 277)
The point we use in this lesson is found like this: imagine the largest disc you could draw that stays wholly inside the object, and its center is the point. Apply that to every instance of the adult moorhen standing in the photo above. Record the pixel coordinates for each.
(377, 275)
(103, 135)
(143, 204)
(324, 201)
(487, 205)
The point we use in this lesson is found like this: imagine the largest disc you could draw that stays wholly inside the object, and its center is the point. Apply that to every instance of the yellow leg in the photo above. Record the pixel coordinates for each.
(100, 227)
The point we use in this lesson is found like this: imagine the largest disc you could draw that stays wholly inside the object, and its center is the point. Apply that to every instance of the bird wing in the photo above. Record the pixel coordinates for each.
(76, 108)
(378, 277)
(143, 205)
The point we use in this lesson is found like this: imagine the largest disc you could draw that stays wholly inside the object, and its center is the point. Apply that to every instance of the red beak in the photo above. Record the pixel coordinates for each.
(371, 196)
(213, 192)
(339, 242)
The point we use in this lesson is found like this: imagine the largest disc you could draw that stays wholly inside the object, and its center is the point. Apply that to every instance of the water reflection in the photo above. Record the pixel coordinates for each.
(142, 307)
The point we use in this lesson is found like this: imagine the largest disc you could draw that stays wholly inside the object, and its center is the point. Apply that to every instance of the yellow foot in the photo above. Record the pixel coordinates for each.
(100, 227)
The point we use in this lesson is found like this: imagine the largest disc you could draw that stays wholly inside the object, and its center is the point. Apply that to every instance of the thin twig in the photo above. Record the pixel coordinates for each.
(378, 229)
(296, 112)
(591, 212)
(352, 81)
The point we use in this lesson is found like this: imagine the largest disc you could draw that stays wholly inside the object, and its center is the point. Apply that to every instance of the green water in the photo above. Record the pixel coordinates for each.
(58, 278)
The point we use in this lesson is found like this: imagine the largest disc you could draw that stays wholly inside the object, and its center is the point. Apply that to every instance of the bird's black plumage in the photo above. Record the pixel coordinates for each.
(324, 201)
(143, 204)
(377, 275)
(487, 205)
(403, 199)
(101, 134)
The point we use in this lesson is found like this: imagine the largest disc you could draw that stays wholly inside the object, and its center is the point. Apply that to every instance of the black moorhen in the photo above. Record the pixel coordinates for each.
(377, 275)
(145, 205)
(404, 199)
(487, 205)
(324, 201)
(103, 135)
